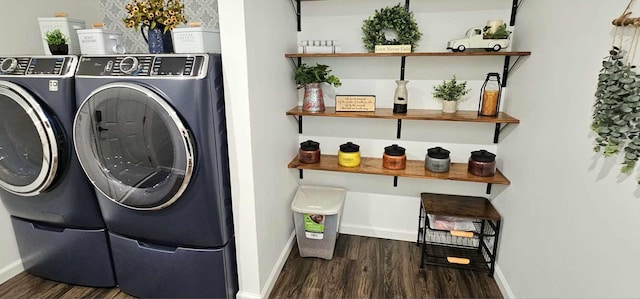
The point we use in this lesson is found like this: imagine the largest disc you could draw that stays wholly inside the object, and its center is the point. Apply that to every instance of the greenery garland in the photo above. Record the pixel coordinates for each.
(616, 111)
(396, 18)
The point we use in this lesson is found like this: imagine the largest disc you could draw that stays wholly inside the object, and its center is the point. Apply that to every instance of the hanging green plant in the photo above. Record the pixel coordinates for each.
(395, 18)
(616, 111)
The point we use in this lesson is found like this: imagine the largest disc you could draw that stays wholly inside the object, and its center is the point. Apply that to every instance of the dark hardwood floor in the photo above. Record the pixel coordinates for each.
(25, 285)
(362, 267)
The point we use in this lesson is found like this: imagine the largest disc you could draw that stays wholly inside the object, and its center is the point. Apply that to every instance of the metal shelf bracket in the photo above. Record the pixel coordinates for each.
(514, 11)
(496, 133)
(296, 8)
(299, 120)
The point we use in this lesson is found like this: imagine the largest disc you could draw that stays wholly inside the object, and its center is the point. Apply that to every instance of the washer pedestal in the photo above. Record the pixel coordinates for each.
(73, 256)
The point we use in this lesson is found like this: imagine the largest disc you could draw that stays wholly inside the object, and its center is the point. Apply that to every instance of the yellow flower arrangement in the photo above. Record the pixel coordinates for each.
(154, 13)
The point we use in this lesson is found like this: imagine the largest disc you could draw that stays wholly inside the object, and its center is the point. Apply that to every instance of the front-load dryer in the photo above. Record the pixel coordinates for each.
(150, 133)
(55, 215)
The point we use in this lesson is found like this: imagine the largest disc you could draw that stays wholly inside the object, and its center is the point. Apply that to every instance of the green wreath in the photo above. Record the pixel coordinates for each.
(396, 18)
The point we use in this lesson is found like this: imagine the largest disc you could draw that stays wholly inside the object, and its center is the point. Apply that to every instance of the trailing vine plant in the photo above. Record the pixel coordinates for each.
(616, 110)
(616, 113)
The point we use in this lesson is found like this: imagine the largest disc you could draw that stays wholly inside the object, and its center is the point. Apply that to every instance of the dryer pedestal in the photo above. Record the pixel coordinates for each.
(73, 256)
(152, 271)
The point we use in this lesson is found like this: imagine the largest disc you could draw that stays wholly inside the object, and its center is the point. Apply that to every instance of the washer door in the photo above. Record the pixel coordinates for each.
(29, 150)
(133, 146)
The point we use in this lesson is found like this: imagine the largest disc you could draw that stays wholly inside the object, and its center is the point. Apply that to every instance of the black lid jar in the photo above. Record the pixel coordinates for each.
(482, 163)
(437, 160)
(309, 152)
(310, 145)
(394, 150)
(349, 147)
(394, 157)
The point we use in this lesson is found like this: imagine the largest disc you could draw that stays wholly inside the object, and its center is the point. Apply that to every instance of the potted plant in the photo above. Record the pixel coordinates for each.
(57, 42)
(159, 17)
(450, 92)
(310, 77)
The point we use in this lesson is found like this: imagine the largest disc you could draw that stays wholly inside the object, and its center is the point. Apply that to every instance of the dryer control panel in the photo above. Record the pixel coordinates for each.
(162, 66)
(37, 66)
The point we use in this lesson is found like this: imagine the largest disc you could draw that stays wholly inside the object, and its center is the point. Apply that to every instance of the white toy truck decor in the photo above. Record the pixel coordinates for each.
(491, 38)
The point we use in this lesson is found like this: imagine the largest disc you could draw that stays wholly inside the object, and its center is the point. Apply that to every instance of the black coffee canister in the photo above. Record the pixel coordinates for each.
(437, 160)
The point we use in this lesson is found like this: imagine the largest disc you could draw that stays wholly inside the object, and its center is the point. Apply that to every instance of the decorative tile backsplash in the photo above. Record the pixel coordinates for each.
(204, 11)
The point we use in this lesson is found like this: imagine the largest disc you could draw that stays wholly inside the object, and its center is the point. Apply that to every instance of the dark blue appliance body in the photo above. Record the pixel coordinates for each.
(55, 215)
(150, 133)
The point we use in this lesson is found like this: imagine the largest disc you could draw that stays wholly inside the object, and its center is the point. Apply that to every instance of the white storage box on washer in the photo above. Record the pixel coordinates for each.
(196, 40)
(67, 26)
(317, 207)
(100, 41)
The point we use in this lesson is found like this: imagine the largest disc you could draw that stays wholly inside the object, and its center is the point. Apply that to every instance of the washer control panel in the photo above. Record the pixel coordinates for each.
(37, 66)
(164, 66)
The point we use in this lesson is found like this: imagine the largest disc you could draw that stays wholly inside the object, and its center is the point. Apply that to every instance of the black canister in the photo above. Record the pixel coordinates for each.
(482, 163)
(437, 160)
(309, 152)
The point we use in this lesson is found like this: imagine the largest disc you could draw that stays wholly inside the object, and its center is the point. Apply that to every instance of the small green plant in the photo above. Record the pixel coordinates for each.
(450, 90)
(315, 74)
(55, 37)
(501, 32)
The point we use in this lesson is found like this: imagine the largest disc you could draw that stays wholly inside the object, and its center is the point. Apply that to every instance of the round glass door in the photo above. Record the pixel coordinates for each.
(133, 146)
(28, 146)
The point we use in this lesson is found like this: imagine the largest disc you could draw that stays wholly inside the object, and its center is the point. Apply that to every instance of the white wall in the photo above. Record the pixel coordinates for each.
(21, 35)
(570, 219)
(259, 89)
(19, 21)
(373, 206)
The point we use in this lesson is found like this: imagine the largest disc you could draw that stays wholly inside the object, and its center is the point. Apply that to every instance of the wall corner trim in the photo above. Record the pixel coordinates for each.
(502, 284)
(275, 273)
(11, 270)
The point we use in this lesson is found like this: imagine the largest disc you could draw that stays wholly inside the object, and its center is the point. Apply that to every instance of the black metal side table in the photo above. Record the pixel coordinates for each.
(473, 250)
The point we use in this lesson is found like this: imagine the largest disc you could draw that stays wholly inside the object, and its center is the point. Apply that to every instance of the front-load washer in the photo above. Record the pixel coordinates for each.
(150, 134)
(55, 215)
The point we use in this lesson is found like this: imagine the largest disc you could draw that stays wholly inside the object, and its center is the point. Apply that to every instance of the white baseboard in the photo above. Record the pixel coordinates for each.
(502, 284)
(273, 277)
(368, 231)
(247, 295)
(10, 271)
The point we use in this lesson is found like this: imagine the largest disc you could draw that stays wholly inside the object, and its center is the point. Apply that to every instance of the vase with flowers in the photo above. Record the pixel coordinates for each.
(159, 17)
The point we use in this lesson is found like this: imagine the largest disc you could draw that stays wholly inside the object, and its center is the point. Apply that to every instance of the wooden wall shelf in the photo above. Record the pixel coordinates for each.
(412, 114)
(415, 169)
(448, 53)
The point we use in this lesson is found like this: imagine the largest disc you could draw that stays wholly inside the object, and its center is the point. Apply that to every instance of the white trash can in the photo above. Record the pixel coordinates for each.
(317, 212)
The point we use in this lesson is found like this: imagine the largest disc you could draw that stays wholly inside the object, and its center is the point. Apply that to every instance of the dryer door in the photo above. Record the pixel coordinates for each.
(29, 150)
(133, 146)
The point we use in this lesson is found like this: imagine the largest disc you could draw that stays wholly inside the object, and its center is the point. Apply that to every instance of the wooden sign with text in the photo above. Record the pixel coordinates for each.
(355, 103)
(392, 49)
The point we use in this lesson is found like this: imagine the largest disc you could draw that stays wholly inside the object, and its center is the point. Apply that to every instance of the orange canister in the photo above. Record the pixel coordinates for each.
(394, 157)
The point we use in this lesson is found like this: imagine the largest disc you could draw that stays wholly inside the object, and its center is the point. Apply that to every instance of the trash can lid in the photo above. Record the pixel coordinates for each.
(318, 200)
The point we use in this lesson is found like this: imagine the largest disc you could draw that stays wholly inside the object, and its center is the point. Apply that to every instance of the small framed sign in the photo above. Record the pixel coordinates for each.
(355, 103)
